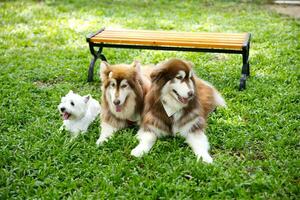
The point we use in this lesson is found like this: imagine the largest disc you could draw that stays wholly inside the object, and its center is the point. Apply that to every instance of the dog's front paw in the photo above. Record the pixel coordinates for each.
(62, 128)
(137, 152)
(100, 141)
(205, 158)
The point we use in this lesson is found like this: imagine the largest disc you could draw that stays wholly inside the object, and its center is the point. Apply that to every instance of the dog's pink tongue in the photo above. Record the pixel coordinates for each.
(118, 108)
(184, 100)
(66, 116)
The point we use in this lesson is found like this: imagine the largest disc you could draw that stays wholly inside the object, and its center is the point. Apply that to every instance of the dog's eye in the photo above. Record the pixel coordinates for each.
(179, 77)
(112, 84)
(123, 86)
(72, 103)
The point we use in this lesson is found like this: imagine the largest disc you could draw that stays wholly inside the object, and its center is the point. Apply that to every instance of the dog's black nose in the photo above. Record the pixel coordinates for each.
(62, 109)
(117, 102)
(190, 93)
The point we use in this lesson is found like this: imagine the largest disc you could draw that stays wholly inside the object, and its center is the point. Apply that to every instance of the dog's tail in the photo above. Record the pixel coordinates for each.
(95, 107)
(219, 100)
(99, 109)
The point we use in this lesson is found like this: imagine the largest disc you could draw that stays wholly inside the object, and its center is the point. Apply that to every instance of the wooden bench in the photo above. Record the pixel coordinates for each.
(234, 43)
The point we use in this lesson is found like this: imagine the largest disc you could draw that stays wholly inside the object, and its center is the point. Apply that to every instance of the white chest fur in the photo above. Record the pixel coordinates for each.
(174, 109)
(191, 119)
(171, 105)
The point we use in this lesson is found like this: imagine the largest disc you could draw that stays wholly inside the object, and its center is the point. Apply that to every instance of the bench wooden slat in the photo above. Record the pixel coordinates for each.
(172, 35)
(232, 41)
(169, 35)
(174, 38)
(168, 43)
(173, 32)
(216, 40)
(185, 36)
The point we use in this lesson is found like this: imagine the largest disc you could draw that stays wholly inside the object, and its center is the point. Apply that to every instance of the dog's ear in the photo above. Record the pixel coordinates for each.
(86, 98)
(137, 65)
(156, 74)
(104, 70)
(189, 63)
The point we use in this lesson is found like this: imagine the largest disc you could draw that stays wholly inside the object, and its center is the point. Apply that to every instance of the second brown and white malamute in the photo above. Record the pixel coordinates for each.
(178, 103)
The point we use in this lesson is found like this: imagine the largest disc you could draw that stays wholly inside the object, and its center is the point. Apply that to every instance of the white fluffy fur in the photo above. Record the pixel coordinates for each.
(83, 112)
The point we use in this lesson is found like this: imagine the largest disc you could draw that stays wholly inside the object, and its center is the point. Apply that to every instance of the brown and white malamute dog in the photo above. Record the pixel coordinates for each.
(178, 102)
(123, 91)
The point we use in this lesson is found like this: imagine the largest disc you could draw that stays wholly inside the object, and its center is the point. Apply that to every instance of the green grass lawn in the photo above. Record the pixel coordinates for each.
(254, 142)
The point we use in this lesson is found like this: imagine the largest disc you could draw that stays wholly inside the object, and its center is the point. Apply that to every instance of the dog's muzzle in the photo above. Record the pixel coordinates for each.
(184, 100)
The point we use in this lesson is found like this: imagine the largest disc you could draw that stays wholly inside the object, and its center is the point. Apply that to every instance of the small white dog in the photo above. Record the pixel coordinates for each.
(78, 112)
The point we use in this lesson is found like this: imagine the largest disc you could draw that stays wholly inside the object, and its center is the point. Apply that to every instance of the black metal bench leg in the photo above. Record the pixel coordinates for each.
(96, 55)
(102, 57)
(245, 68)
(91, 69)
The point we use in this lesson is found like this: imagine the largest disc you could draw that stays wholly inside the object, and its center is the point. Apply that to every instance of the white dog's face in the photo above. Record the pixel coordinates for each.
(181, 87)
(73, 106)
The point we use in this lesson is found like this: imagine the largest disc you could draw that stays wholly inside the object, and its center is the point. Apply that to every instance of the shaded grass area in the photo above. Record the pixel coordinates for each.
(255, 141)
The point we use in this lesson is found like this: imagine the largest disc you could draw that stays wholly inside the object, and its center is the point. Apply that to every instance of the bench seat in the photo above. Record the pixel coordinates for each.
(234, 41)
